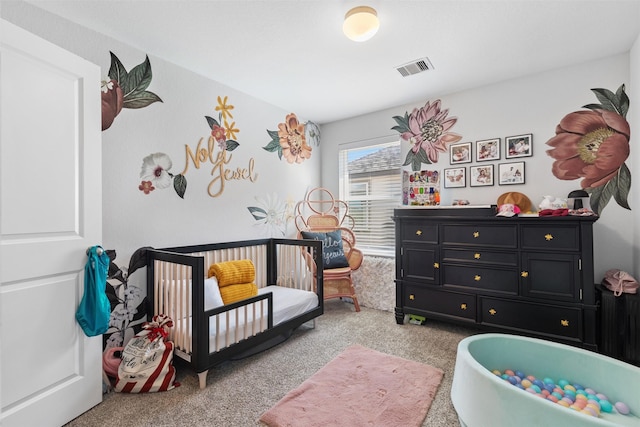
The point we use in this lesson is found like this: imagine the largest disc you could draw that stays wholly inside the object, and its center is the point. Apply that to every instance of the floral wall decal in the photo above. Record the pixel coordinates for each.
(427, 129)
(220, 143)
(290, 140)
(122, 89)
(128, 303)
(593, 145)
(272, 214)
(155, 174)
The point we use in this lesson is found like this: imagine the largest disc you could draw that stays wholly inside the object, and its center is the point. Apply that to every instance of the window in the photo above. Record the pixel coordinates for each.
(370, 182)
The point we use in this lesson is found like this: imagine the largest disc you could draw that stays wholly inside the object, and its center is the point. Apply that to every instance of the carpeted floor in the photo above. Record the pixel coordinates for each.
(238, 392)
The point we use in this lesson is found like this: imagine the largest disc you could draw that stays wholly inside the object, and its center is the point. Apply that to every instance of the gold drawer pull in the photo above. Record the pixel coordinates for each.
(436, 265)
(476, 256)
(412, 297)
(525, 274)
(477, 278)
(492, 311)
(419, 232)
(476, 234)
(548, 237)
(564, 322)
(463, 306)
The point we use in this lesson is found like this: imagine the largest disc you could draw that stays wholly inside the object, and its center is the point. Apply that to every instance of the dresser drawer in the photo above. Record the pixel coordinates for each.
(564, 322)
(480, 278)
(551, 237)
(419, 231)
(480, 256)
(492, 236)
(448, 303)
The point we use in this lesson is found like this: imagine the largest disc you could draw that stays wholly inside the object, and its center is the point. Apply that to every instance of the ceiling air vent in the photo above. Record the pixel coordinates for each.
(415, 67)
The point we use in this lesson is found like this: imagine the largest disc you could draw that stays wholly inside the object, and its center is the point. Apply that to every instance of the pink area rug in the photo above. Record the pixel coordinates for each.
(360, 387)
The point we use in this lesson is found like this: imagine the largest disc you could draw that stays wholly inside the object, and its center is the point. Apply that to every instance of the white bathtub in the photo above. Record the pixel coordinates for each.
(482, 399)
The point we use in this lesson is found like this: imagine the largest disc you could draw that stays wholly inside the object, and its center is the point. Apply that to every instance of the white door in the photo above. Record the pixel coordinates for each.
(50, 213)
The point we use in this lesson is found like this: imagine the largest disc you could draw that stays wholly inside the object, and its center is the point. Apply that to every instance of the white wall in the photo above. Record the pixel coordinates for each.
(533, 104)
(133, 219)
(634, 120)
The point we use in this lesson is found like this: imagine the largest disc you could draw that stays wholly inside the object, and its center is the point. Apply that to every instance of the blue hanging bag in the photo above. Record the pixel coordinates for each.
(94, 311)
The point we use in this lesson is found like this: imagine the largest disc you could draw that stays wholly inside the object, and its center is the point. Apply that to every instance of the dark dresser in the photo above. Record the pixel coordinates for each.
(527, 275)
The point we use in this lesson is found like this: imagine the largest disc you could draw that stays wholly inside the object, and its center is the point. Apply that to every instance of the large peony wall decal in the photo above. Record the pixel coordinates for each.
(427, 129)
(290, 140)
(593, 145)
(122, 89)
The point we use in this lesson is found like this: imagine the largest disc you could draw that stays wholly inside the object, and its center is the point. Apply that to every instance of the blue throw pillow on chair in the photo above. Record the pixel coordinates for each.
(332, 250)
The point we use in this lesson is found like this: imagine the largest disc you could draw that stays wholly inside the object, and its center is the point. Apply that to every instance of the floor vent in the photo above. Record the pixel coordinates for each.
(415, 67)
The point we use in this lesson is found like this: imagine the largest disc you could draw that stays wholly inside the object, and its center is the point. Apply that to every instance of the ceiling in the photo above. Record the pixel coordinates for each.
(292, 53)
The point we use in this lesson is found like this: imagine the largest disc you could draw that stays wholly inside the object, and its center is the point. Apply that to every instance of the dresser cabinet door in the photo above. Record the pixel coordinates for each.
(551, 276)
(562, 322)
(551, 237)
(420, 263)
(481, 278)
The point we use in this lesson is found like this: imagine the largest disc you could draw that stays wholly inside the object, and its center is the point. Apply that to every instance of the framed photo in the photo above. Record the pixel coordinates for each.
(511, 173)
(518, 146)
(489, 149)
(455, 177)
(460, 153)
(481, 175)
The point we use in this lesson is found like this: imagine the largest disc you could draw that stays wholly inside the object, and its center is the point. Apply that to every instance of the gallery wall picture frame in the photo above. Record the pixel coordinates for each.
(460, 153)
(511, 173)
(518, 146)
(455, 177)
(488, 149)
(480, 176)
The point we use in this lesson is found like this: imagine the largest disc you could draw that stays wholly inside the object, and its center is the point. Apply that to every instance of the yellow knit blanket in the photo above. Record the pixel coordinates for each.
(233, 272)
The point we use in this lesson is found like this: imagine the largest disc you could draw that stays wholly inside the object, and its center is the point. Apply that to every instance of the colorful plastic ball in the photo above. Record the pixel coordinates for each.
(526, 383)
(589, 390)
(520, 386)
(569, 387)
(602, 396)
(552, 398)
(622, 408)
(589, 411)
(520, 374)
(509, 372)
(557, 395)
(538, 383)
(536, 388)
(505, 376)
(496, 372)
(596, 403)
(581, 392)
(562, 383)
(531, 378)
(563, 403)
(512, 380)
(531, 390)
(605, 406)
(567, 400)
(578, 386)
(548, 380)
(593, 406)
(559, 391)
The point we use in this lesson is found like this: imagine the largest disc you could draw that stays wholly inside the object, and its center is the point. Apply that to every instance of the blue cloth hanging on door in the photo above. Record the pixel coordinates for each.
(94, 311)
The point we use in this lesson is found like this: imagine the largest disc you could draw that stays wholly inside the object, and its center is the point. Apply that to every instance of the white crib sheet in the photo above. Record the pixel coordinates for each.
(287, 303)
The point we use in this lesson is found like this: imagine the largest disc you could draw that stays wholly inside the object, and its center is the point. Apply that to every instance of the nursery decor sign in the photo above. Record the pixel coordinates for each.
(593, 145)
(156, 167)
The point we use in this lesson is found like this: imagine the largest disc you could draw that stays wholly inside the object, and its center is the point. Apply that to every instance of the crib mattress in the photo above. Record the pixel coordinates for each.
(229, 327)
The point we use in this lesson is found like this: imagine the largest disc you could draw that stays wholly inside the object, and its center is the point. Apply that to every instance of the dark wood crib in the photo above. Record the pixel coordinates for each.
(287, 270)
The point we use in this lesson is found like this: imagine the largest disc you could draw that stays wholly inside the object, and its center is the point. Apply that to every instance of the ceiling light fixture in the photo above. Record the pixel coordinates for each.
(361, 23)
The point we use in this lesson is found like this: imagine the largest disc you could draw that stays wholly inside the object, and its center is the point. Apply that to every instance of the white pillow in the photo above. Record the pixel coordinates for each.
(212, 297)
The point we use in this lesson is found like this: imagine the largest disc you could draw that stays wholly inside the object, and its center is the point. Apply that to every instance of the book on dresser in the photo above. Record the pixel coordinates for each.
(525, 275)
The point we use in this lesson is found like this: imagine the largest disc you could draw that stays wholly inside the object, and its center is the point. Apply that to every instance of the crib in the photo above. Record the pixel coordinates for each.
(288, 274)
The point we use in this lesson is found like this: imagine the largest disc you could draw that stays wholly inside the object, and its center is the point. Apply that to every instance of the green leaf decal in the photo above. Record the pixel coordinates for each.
(409, 159)
(258, 213)
(140, 76)
(607, 99)
(273, 146)
(273, 134)
(117, 71)
(403, 123)
(594, 107)
(623, 186)
(232, 145)
(140, 100)
(623, 100)
(180, 185)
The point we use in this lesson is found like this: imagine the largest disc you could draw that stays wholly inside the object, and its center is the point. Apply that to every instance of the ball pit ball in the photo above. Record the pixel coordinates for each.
(622, 408)
(605, 406)
(564, 393)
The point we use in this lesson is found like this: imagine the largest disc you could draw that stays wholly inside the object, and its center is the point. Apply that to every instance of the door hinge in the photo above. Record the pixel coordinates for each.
(580, 294)
(580, 264)
(402, 272)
